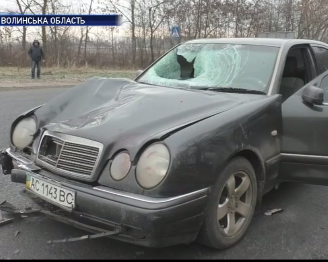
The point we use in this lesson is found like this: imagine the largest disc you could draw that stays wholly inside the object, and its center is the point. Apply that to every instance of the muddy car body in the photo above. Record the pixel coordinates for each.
(186, 150)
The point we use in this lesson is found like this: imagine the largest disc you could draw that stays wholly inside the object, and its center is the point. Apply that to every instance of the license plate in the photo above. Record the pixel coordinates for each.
(57, 195)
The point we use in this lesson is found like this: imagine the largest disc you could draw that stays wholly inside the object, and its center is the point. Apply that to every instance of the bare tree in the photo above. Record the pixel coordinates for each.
(149, 23)
(87, 35)
(23, 7)
(43, 5)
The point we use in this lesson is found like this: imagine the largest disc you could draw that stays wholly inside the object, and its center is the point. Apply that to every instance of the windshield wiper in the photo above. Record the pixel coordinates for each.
(231, 90)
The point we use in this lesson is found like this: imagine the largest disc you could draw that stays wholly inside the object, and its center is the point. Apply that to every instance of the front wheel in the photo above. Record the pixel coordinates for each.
(231, 205)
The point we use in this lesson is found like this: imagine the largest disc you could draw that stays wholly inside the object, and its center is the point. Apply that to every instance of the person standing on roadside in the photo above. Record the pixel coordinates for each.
(36, 54)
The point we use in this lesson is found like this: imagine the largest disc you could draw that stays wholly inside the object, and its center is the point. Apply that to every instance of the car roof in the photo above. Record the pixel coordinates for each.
(254, 41)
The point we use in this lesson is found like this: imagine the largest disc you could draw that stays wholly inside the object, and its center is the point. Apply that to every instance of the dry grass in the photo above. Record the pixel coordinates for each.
(13, 77)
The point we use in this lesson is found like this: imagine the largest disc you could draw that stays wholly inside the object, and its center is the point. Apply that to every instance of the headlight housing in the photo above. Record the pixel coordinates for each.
(23, 132)
(152, 166)
(120, 166)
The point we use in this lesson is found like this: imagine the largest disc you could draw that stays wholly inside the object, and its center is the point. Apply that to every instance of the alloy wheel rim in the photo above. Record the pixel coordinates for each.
(235, 204)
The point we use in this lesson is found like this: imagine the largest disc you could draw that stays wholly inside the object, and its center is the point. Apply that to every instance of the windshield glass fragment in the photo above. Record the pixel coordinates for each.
(214, 66)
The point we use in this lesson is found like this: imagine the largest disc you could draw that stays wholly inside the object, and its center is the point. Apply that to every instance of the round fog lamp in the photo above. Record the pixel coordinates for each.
(120, 166)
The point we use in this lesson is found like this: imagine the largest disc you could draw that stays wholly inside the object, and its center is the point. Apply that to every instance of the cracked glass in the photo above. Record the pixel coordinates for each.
(214, 66)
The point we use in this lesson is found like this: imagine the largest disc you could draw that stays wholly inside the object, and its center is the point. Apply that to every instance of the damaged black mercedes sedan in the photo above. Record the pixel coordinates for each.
(184, 152)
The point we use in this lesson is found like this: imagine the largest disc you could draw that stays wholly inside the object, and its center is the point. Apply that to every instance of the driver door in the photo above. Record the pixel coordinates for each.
(304, 155)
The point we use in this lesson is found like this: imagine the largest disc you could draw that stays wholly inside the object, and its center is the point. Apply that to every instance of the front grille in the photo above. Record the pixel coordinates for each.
(68, 155)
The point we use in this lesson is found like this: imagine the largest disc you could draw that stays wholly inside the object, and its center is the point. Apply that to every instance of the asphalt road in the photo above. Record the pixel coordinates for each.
(299, 232)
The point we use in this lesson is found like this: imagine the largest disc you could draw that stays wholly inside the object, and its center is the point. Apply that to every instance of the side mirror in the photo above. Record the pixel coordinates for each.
(139, 72)
(313, 95)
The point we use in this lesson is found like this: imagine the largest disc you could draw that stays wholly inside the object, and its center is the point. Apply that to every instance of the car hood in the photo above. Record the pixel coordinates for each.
(123, 114)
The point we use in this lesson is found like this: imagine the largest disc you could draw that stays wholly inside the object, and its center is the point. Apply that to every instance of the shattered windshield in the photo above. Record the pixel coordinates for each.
(231, 66)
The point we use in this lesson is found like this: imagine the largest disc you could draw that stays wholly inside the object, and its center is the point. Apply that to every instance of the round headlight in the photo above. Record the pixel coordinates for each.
(23, 132)
(152, 166)
(120, 166)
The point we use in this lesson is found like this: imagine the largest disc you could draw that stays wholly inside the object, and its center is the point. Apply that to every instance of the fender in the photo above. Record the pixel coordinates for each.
(200, 151)
(255, 158)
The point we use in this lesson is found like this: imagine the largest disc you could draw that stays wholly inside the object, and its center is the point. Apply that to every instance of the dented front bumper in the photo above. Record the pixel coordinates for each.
(146, 221)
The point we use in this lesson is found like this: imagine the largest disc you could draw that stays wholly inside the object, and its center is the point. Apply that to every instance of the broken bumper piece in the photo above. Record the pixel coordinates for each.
(9, 208)
(136, 219)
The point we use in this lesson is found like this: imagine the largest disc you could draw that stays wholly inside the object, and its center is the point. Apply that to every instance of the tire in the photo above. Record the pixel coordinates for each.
(216, 231)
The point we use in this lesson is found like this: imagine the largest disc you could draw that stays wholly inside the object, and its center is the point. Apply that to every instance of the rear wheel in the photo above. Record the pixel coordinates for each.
(231, 205)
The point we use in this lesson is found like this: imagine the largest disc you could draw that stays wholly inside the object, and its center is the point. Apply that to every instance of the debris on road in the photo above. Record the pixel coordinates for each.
(4, 206)
(272, 212)
(17, 251)
(4, 221)
(7, 207)
(74, 239)
(16, 233)
(140, 253)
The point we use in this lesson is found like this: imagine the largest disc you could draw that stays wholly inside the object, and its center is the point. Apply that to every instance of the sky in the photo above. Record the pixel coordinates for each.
(34, 32)
(8, 4)
(12, 5)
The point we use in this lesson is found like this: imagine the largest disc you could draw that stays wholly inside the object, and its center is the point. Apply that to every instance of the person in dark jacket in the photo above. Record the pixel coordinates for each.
(36, 54)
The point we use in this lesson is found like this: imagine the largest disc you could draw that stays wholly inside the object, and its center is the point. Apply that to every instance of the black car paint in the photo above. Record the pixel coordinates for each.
(299, 119)
(202, 129)
(139, 222)
(296, 166)
(201, 139)
(105, 96)
(198, 155)
(122, 114)
(199, 149)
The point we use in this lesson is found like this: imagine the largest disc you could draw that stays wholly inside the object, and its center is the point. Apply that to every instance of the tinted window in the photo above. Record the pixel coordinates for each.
(321, 55)
(297, 72)
(297, 53)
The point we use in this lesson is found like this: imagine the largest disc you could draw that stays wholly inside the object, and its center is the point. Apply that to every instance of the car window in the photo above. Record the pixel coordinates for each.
(321, 55)
(297, 72)
(297, 53)
(214, 65)
(324, 86)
